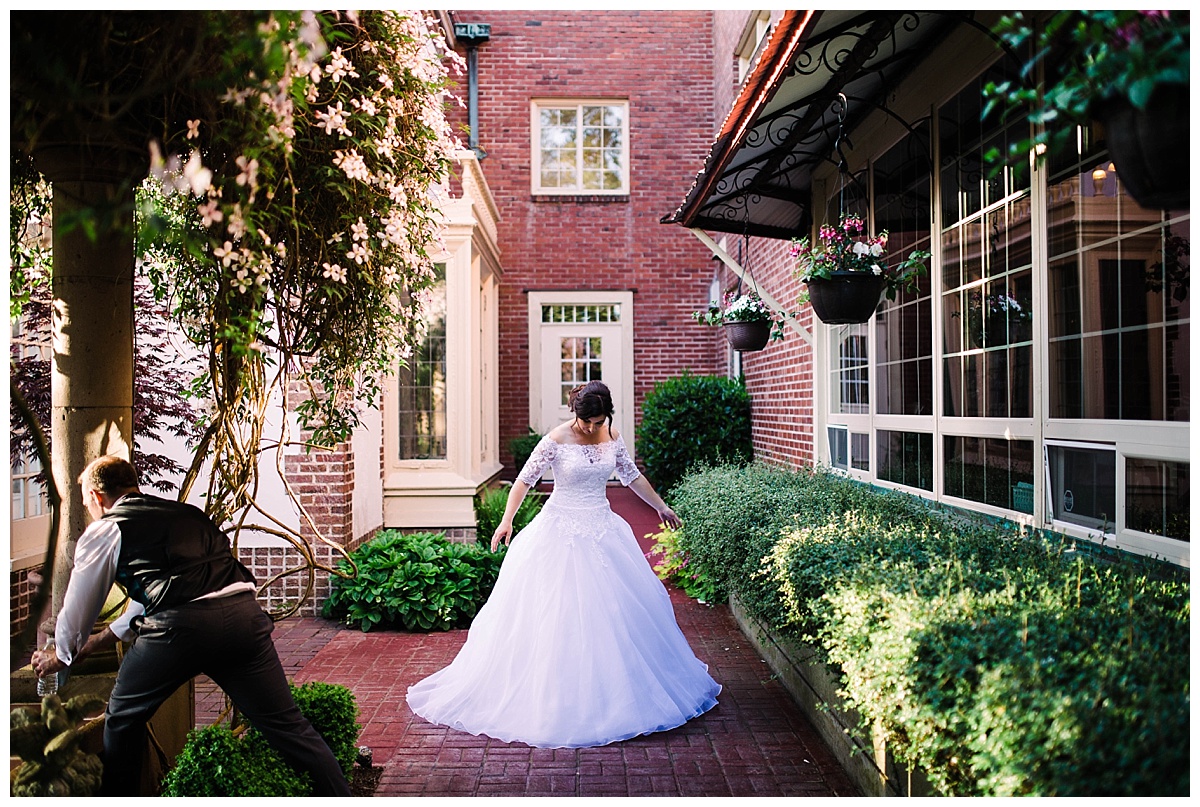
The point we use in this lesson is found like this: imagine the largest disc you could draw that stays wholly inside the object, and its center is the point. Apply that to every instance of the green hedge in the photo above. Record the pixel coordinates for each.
(214, 762)
(999, 663)
(490, 504)
(418, 582)
(693, 421)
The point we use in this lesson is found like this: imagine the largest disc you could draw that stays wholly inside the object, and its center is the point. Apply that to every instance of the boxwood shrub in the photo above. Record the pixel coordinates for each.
(216, 762)
(1000, 663)
(417, 582)
(693, 421)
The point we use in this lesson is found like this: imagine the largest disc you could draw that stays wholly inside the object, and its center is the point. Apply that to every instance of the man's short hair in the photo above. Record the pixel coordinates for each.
(109, 475)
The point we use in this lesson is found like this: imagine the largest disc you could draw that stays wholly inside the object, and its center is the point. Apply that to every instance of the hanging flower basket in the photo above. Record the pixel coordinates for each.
(749, 323)
(1149, 147)
(748, 336)
(844, 298)
(847, 271)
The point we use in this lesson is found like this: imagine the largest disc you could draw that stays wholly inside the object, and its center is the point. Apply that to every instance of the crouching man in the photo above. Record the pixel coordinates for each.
(192, 610)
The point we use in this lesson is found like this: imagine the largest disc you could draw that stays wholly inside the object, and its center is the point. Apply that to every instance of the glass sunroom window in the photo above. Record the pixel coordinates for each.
(987, 265)
(904, 328)
(1119, 303)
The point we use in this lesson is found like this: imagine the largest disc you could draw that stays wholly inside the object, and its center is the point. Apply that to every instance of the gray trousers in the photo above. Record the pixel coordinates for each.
(229, 640)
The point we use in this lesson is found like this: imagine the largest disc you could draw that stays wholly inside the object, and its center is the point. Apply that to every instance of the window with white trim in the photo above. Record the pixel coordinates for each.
(580, 147)
(752, 38)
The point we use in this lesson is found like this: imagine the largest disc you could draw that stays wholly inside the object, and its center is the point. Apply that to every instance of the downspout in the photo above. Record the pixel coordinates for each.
(473, 34)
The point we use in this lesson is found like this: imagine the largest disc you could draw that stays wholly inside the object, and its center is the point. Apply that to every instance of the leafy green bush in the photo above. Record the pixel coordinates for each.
(1000, 663)
(489, 509)
(693, 421)
(521, 447)
(675, 567)
(418, 582)
(216, 763)
(333, 711)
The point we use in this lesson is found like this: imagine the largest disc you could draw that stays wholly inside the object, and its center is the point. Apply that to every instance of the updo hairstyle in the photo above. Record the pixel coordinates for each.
(591, 399)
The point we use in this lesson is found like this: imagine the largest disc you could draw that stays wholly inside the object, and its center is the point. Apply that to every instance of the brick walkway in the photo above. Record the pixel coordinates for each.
(755, 742)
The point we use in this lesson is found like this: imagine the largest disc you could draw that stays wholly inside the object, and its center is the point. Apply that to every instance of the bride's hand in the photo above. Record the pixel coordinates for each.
(502, 533)
(667, 516)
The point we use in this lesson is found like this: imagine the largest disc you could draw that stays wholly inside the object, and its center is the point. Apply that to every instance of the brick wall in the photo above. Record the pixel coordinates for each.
(778, 378)
(22, 585)
(662, 63)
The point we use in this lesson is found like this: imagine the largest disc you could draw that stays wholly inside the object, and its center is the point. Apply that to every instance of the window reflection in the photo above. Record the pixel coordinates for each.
(990, 471)
(1118, 298)
(903, 328)
(987, 277)
(1157, 497)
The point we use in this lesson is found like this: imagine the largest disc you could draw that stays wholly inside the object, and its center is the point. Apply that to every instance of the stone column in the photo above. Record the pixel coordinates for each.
(92, 367)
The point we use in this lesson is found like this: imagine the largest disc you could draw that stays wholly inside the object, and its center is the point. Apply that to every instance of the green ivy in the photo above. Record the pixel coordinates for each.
(417, 582)
(997, 662)
(214, 762)
(693, 421)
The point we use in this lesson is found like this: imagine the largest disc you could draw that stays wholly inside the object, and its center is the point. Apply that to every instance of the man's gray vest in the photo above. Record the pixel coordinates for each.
(171, 552)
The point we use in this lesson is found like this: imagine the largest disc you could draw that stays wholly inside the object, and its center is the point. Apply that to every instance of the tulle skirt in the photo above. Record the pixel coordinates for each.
(576, 647)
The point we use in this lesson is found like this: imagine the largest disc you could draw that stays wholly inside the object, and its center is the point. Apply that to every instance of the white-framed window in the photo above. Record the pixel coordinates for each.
(29, 516)
(580, 147)
(752, 38)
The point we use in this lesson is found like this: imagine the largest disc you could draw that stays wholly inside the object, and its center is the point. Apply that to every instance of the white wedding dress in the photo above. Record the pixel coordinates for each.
(577, 645)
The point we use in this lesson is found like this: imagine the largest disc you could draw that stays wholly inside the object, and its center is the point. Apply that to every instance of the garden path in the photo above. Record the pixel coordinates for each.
(755, 742)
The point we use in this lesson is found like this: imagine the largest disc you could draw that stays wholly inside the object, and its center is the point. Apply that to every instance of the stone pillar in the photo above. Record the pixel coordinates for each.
(92, 368)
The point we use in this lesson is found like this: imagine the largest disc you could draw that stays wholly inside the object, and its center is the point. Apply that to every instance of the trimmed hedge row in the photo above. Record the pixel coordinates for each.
(999, 663)
(215, 762)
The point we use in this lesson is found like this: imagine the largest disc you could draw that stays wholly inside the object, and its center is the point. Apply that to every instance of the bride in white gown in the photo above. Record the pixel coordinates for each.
(577, 645)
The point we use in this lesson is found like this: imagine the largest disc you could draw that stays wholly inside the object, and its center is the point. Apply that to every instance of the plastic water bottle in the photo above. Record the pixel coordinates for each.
(48, 684)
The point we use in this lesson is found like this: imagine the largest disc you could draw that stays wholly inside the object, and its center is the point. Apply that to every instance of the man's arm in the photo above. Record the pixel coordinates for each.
(96, 554)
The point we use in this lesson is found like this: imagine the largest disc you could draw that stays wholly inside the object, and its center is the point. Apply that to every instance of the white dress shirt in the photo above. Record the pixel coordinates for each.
(96, 554)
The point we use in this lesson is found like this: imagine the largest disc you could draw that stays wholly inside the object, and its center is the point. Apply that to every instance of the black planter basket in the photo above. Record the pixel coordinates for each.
(748, 336)
(845, 298)
(1149, 147)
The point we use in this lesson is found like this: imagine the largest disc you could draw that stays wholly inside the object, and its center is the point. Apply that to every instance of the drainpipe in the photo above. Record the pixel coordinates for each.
(473, 34)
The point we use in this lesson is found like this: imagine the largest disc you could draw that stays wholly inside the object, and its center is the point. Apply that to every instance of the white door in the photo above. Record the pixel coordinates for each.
(574, 355)
(576, 338)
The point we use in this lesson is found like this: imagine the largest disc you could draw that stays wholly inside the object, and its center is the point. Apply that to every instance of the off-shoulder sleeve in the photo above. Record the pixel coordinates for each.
(626, 470)
(543, 454)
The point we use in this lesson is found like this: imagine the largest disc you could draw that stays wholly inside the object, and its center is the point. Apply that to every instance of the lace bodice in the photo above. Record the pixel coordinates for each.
(580, 471)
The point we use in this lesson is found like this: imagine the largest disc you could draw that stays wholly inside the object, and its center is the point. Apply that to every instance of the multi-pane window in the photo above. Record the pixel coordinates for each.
(421, 398)
(1119, 305)
(992, 471)
(581, 148)
(28, 494)
(850, 374)
(752, 38)
(608, 312)
(987, 266)
(581, 361)
(904, 328)
(1157, 497)
(905, 458)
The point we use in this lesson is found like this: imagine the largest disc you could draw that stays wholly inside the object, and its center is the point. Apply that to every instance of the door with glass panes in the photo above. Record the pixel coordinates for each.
(576, 340)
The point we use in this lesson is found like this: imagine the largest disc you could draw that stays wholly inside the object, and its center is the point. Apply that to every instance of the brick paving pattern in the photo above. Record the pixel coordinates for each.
(755, 742)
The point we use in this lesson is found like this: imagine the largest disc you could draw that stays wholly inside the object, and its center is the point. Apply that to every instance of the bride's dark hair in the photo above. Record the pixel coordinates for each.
(591, 399)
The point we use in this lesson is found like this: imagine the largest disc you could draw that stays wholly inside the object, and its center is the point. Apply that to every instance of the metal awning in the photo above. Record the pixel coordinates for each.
(757, 179)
